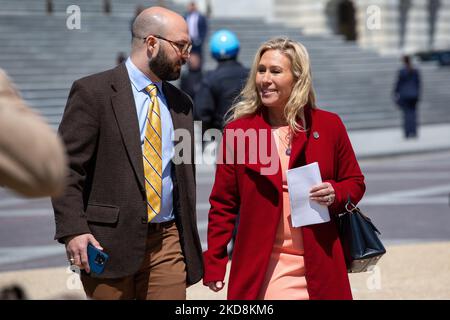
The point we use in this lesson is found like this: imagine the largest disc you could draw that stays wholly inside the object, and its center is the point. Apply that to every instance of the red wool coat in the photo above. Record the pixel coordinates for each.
(240, 187)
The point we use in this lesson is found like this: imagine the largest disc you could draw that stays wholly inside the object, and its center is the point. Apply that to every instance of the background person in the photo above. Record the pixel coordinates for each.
(198, 28)
(221, 86)
(271, 259)
(191, 80)
(407, 95)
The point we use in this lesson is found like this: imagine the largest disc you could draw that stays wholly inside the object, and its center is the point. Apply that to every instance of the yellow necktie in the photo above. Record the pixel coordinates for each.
(152, 155)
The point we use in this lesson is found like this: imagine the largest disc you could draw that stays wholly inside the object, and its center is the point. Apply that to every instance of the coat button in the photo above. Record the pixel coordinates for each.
(144, 220)
(316, 135)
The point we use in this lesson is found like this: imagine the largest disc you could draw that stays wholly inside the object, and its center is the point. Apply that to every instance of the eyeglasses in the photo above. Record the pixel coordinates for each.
(184, 48)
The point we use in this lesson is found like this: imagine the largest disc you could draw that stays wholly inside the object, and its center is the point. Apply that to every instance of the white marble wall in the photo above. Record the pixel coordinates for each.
(417, 37)
(378, 25)
(309, 15)
(442, 37)
(378, 21)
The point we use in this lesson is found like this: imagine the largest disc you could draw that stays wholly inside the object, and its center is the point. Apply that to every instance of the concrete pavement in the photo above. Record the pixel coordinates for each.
(390, 141)
(410, 271)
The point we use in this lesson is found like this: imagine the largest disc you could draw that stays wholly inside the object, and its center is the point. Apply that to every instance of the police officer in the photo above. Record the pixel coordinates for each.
(221, 86)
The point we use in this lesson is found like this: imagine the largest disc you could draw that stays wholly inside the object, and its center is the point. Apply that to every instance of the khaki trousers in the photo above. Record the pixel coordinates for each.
(162, 275)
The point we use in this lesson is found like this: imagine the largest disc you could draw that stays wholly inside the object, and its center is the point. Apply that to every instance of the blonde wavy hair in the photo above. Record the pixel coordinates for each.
(249, 101)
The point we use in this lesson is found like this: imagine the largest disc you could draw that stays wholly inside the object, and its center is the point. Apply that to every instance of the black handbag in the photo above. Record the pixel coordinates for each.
(359, 239)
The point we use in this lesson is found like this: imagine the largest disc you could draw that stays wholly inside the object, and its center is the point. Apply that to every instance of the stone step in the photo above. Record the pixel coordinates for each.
(353, 95)
(355, 83)
(349, 107)
(353, 122)
(39, 6)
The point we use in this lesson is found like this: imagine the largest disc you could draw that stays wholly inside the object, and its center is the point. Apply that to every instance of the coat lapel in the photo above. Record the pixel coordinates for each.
(298, 147)
(125, 111)
(299, 142)
(266, 149)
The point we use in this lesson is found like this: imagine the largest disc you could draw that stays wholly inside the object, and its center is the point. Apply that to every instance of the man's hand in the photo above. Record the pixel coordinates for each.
(76, 249)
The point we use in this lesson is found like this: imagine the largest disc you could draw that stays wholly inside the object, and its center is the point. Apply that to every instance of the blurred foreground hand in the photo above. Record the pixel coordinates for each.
(32, 157)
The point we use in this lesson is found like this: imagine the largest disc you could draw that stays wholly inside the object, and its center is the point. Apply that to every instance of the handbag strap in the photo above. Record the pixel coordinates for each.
(352, 209)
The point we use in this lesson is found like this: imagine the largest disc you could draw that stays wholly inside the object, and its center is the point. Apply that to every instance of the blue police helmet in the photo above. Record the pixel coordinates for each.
(224, 45)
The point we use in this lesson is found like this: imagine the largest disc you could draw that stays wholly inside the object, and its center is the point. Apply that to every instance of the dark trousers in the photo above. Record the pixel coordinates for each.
(409, 117)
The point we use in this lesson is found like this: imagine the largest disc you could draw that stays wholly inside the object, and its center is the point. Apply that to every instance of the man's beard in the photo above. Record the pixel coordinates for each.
(163, 68)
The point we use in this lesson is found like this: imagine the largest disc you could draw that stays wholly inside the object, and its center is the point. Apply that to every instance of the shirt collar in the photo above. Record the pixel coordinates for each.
(138, 79)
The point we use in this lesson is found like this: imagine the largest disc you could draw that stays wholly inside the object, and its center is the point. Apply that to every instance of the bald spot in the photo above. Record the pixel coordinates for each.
(154, 20)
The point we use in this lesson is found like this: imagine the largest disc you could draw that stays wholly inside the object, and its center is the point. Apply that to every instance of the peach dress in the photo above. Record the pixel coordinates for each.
(285, 276)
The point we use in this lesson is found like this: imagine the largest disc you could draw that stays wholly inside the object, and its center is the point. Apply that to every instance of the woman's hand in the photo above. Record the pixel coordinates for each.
(323, 193)
(215, 286)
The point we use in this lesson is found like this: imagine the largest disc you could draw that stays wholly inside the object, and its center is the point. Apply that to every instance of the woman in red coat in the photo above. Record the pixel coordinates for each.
(277, 126)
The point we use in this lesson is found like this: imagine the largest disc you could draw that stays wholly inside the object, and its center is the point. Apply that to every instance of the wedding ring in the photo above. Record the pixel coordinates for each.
(329, 199)
(72, 260)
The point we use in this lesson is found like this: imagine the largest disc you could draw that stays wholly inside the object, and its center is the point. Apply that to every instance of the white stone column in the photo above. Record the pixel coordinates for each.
(307, 14)
(442, 36)
(417, 26)
(378, 25)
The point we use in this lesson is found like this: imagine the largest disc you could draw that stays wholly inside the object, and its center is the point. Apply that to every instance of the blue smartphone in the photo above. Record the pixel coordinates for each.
(97, 259)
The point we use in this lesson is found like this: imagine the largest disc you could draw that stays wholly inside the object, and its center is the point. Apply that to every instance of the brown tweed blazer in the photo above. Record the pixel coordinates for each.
(106, 193)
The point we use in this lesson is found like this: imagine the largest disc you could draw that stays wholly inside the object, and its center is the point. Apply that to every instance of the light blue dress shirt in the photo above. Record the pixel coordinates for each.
(139, 81)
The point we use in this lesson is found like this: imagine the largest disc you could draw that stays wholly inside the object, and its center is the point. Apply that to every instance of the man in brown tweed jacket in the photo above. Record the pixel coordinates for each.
(105, 201)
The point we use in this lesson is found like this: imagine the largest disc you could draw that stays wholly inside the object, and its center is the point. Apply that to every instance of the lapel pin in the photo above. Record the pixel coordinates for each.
(316, 135)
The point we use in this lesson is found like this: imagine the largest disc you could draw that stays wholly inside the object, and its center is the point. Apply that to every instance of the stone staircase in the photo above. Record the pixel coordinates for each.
(44, 57)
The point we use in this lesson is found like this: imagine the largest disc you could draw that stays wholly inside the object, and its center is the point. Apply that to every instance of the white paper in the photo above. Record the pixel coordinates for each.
(303, 210)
